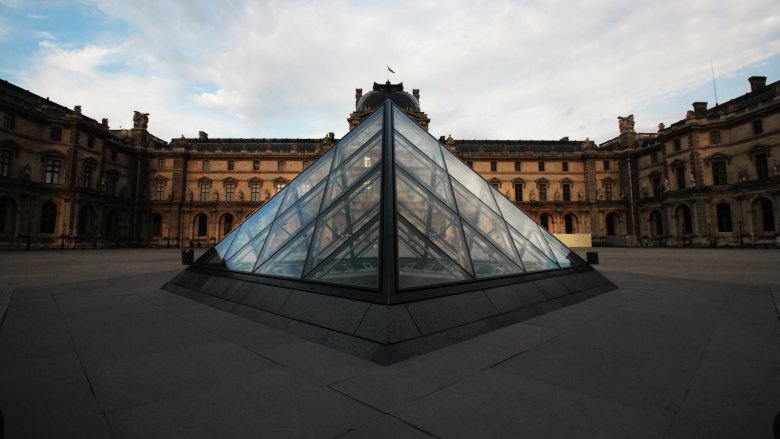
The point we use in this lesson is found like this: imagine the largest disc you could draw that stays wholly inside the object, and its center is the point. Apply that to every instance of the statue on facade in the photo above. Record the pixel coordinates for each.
(775, 168)
(741, 174)
(626, 124)
(140, 120)
(267, 194)
(667, 184)
(691, 178)
(532, 195)
(557, 196)
(580, 196)
(661, 126)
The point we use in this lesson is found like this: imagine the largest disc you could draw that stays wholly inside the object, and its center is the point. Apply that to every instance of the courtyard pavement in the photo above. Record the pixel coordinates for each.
(688, 346)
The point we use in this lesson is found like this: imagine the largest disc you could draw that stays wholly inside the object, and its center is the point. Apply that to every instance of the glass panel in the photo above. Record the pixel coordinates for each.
(487, 259)
(359, 136)
(418, 136)
(308, 179)
(532, 258)
(246, 258)
(431, 218)
(434, 178)
(288, 262)
(359, 165)
(292, 221)
(422, 263)
(522, 223)
(484, 220)
(344, 219)
(258, 221)
(469, 179)
(356, 263)
(566, 257)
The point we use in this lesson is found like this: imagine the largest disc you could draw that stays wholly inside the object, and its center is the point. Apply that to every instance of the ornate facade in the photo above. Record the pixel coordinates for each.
(68, 181)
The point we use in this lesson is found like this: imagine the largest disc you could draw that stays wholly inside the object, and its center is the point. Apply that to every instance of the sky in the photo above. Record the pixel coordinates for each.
(485, 69)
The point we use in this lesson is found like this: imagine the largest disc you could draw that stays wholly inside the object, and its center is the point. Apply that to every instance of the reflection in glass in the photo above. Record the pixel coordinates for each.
(356, 263)
(487, 259)
(433, 177)
(566, 257)
(359, 136)
(422, 263)
(310, 178)
(363, 161)
(532, 258)
(259, 220)
(417, 136)
(288, 262)
(291, 222)
(246, 258)
(431, 218)
(342, 220)
(525, 225)
(469, 179)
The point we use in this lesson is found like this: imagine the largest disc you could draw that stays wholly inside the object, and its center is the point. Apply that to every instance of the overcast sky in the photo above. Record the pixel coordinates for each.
(486, 70)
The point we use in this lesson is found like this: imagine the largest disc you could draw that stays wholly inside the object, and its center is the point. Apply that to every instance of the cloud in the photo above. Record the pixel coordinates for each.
(498, 69)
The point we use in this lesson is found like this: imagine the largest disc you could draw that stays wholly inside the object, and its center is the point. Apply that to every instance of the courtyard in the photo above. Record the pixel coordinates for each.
(688, 346)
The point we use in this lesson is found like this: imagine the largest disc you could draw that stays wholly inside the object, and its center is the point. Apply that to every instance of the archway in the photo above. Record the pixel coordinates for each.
(200, 225)
(7, 217)
(546, 221)
(226, 224)
(656, 224)
(684, 219)
(86, 226)
(111, 228)
(156, 221)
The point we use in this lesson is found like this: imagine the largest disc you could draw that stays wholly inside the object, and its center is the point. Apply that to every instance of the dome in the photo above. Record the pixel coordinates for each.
(383, 92)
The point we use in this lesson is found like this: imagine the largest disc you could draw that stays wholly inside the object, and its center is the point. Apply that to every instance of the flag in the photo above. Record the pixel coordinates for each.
(390, 70)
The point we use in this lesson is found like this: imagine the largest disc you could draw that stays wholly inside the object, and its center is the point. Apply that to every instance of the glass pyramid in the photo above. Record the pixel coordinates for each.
(387, 210)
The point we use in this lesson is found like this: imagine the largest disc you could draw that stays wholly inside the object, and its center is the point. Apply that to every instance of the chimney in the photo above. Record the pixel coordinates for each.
(757, 83)
(416, 93)
(104, 122)
(699, 108)
(202, 135)
(358, 95)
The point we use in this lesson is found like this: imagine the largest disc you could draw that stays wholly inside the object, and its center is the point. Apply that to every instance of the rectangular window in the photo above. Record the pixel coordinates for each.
(204, 192)
(541, 166)
(762, 166)
(606, 165)
(518, 191)
(607, 191)
(366, 162)
(493, 166)
(113, 155)
(656, 184)
(566, 192)
(542, 191)
(231, 165)
(719, 173)
(280, 185)
(280, 166)
(495, 185)
(677, 144)
(55, 134)
(160, 163)
(565, 166)
(724, 217)
(517, 166)
(715, 137)
(758, 126)
(679, 173)
(52, 171)
(206, 165)
(306, 164)
(87, 183)
(654, 157)
(5, 163)
(256, 165)
(159, 190)
(111, 185)
(254, 191)
(91, 142)
(230, 191)
(9, 122)
(48, 217)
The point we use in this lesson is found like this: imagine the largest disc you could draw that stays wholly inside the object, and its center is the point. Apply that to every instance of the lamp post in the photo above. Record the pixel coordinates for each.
(62, 241)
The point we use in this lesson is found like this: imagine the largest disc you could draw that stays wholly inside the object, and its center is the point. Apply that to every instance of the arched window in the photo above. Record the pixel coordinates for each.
(612, 220)
(111, 228)
(569, 222)
(227, 223)
(86, 220)
(48, 217)
(767, 215)
(723, 211)
(656, 223)
(546, 220)
(201, 224)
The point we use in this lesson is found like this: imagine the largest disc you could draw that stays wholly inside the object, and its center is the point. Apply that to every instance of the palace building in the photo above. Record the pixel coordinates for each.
(69, 181)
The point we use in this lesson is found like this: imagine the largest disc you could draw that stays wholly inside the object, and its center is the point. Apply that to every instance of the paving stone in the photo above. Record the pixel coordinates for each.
(739, 378)
(654, 386)
(386, 427)
(320, 363)
(518, 337)
(498, 405)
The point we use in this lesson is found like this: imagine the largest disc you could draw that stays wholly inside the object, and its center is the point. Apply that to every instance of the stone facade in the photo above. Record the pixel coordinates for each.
(67, 180)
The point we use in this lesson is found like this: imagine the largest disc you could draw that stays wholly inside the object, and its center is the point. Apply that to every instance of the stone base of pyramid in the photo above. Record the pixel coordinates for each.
(385, 334)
